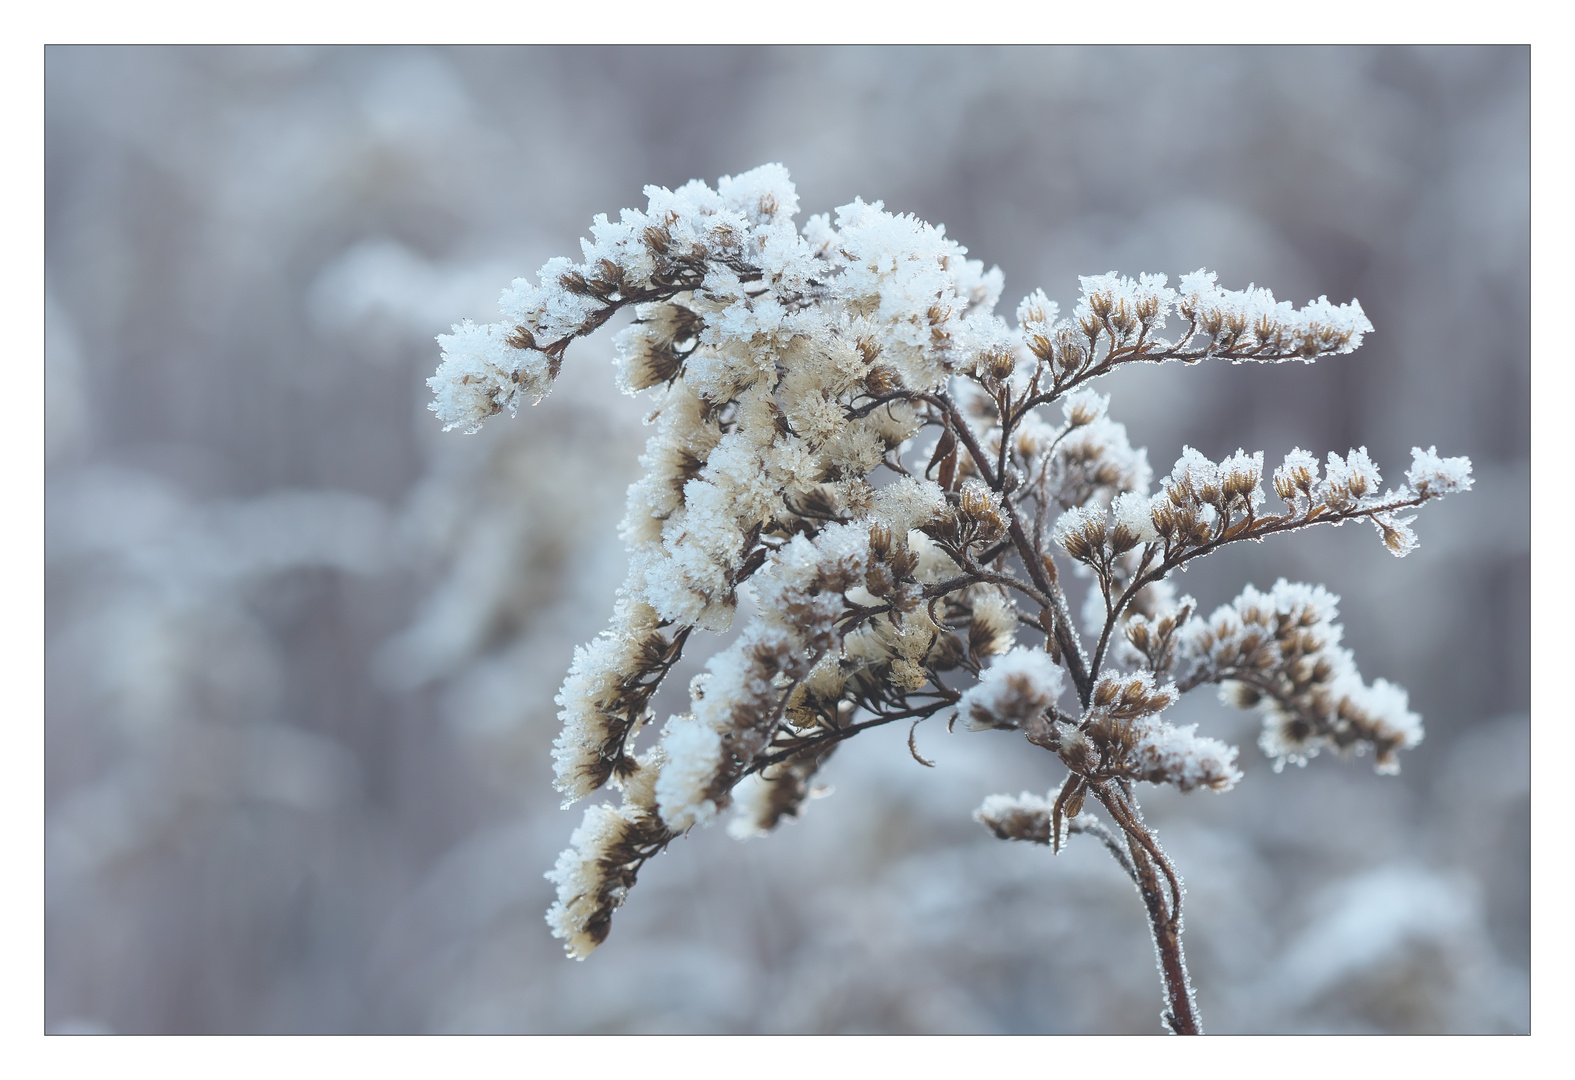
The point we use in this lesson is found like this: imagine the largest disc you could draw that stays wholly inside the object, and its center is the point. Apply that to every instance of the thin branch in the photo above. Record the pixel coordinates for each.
(1066, 635)
(1256, 529)
(1116, 356)
(1164, 920)
(1124, 811)
(829, 737)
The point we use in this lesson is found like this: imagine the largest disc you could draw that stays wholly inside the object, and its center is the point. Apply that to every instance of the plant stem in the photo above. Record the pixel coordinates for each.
(1164, 918)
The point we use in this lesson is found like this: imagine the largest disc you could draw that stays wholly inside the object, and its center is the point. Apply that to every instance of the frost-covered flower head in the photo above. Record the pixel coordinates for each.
(845, 429)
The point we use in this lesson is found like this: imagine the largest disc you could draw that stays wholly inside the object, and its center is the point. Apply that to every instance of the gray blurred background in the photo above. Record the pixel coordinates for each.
(302, 646)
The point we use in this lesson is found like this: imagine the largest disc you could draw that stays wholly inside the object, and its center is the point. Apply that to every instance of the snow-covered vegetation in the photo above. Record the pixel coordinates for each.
(849, 434)
(302, 646)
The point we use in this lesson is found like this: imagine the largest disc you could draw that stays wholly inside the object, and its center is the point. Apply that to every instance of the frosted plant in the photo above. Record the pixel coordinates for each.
(844, 427)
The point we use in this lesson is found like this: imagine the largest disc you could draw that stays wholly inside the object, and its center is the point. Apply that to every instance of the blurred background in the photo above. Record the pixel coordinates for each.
(301, 646)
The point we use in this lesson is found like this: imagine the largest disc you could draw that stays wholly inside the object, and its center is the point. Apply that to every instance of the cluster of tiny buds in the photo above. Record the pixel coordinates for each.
(975, 521)
(1279, 652)
(1203, 503)
(1121, 735)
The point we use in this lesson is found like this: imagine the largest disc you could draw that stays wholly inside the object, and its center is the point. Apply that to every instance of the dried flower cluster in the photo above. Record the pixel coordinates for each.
(846, 428)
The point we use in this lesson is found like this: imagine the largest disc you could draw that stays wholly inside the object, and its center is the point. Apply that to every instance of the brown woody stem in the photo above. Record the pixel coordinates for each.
(1164, 919)
(1071, 647)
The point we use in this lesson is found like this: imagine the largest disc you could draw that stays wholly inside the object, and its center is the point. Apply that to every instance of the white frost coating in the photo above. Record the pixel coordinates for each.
(1016, 686)
(1252, 316)
(897, 271)
(694, 754)
(590, 696)
(1396, 533)
(1241, 475)
(1122, 302)
(1383, 713)
(764, 194)
(994, 623)
(1166, 754)
(481, 374)
(1085, 406)
(1349, 480)
(751, 809)
(1036, 314)
(908, 503)
(579, 877)
(1131, 511)
(1193, 469)
(1221, 638)
(1322, 321)
(639, 788)
(1351, 487)
(1432, 475)
(934, 564)
(1079, 521)
(1299, 472)
(1021, 817)
(760, 805)
(1095, 460)
(995, 806)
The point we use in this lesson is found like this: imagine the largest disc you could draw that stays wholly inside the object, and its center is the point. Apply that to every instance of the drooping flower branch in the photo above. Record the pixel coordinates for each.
(844, 427)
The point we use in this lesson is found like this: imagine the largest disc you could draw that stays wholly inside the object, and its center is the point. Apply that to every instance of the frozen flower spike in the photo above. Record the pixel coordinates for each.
(905, 484)
(1250, 325)
(1279, 652)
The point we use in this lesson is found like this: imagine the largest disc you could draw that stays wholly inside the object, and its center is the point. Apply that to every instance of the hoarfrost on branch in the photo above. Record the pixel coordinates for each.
(842, 420)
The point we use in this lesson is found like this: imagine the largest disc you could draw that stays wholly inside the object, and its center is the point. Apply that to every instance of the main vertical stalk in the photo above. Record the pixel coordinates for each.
(1164, 915)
